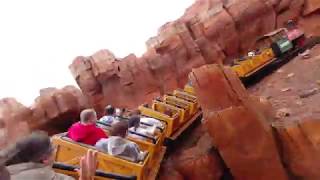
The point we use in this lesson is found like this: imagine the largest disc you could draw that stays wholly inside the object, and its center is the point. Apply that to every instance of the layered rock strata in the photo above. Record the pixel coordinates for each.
(210, 31)
(239, 128)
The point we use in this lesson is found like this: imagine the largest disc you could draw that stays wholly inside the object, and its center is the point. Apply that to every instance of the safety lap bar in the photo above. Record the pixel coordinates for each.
(154, 141)
(98, 173)
(102, 123)
(147, 124)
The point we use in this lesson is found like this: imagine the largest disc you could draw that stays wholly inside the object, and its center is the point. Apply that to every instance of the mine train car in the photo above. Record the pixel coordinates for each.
(270, 47)
(171, 115)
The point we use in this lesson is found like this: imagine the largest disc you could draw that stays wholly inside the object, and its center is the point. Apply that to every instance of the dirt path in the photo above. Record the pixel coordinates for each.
(295, 87)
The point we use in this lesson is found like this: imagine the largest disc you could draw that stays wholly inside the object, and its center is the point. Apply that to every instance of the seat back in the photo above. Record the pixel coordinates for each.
(70, 152)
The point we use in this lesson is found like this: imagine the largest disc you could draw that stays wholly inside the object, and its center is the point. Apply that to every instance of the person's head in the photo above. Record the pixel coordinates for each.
(36, 147)
(88, 116)
(110, 110)
(120, 112)
(120, 129)
(134, 121)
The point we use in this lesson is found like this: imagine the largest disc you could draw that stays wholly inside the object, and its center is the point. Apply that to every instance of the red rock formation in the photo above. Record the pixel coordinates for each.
(300, 147)
(195, 164)
(14, 118)
(210, 31)
(253, 18)
(175, 40)
(199, 161)
(170, 173)
(239, 127)
(56, 109)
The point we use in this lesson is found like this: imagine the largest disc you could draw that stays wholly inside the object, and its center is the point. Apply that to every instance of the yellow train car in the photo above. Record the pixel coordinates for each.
(71, 170)
(70, 152)
(151, 143)
(169, 114)
(186, 96)
(189, 89)
(254, 63)
(165, 108)
(174, 116)
(182, 101)
(270, 47)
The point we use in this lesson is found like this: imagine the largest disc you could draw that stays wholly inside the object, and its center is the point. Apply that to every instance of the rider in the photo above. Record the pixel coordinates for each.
(86, 130)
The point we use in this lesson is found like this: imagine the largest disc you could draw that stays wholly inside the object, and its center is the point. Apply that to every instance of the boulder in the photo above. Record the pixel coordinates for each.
(245, 143)
(196, 163)
(232, 118)
(66, 102)
(56, 109)
(47, 103)
(81, 69)
(82, 100)
(299, 142)
(167, 171)
(103, 65)
(214, 91)
(79, 65)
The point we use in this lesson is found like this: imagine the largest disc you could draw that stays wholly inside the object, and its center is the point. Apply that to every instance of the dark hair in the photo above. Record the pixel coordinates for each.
(110, 110)
(119, 129)
(134, 121)
(32, 148)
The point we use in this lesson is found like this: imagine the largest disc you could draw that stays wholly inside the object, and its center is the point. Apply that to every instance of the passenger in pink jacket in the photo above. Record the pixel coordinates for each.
(86, 130)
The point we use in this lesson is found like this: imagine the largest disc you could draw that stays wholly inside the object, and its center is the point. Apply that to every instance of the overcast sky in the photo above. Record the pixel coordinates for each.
(40, 38)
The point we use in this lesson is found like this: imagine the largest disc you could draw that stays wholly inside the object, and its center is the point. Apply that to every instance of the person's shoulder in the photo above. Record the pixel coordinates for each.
(76, 124)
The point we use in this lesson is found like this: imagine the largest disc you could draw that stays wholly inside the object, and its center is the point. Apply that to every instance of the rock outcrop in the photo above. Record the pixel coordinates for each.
(246, 144)
(210, 31)
(53, 111)
(300, 149)
(14, 118)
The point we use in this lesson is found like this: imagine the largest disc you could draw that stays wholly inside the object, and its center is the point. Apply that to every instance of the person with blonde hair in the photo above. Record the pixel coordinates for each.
(86, 130)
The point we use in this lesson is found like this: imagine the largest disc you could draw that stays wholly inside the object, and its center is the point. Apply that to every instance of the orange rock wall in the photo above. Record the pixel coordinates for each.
(239, 127)
(250, 141)
(210, 31)
(53, 111)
